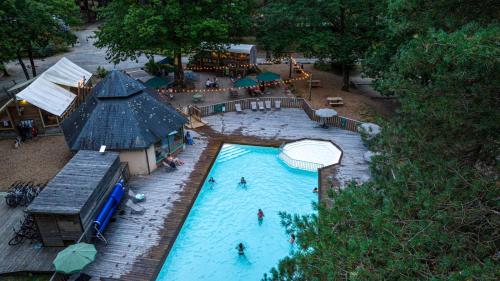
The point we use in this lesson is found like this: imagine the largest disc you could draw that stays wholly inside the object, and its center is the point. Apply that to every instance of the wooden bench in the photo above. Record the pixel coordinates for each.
(334, 101)
(315, 83)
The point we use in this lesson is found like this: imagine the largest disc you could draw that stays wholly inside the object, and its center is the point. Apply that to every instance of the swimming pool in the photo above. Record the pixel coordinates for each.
(226, 214)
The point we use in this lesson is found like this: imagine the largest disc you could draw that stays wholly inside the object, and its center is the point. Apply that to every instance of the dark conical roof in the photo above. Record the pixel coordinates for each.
(117, 85)
(132, 122)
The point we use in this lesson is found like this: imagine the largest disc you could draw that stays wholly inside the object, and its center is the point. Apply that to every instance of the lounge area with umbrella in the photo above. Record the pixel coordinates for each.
(246, 82)
(268, 76)
(323, 114)
(159, 82)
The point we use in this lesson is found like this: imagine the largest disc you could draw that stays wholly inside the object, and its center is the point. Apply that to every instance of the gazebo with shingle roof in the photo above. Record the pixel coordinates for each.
(125, 116)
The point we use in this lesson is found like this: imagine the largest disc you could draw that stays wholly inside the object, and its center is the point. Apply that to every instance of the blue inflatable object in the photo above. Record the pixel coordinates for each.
(110, 207)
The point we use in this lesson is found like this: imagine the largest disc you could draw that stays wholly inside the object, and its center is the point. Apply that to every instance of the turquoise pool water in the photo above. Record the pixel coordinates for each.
(226, 214)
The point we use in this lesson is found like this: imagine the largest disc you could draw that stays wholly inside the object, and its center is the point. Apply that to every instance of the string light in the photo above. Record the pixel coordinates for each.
(304, 75)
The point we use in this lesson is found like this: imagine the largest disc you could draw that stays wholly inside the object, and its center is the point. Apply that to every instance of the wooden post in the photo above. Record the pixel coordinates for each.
(310, 85)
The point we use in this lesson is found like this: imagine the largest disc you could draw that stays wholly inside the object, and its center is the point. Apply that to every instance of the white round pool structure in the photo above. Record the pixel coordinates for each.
(310, 155)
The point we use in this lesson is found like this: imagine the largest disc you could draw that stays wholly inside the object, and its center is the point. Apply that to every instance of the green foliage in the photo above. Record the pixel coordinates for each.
(337, 31)
(406, 19)
(28, 26)
(101, 72)
(431, 210)
(134, 28)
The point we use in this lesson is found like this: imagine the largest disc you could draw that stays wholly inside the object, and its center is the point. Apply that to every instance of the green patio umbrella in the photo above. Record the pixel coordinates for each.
(158, 82)
(246, 82)
(75, 258)
(268, 77)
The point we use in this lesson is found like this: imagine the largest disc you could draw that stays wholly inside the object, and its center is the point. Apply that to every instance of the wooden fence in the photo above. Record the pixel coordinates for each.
(336, 121)
(229, 106)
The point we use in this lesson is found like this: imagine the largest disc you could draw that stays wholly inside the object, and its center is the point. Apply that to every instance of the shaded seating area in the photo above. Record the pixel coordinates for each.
(126, 117)
(268, 76)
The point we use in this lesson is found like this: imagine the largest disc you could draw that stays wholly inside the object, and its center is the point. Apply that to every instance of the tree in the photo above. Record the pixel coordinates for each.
(134, 28)
(6, 45)
(403, 20)
(431, 210)
(34, 22)
(339, 31)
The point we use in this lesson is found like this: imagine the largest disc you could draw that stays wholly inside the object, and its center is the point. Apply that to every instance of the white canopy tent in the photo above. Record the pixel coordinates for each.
(46, 91)
(66, 73)
(47, 96)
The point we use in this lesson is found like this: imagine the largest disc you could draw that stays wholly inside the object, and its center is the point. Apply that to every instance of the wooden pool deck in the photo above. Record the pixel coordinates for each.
(138, 244)
(25, 256)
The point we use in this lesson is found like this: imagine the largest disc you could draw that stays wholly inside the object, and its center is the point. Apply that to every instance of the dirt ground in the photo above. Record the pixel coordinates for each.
(361, 104)
(37, 160)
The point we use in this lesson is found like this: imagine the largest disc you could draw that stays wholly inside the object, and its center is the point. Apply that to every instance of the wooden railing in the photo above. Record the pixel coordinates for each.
(336, 121)
(229, 106)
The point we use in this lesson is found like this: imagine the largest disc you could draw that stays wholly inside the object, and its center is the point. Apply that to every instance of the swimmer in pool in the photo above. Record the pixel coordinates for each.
(243, 182)
(292, 238)
(260, 215)
(241, 249)
(211, 180)
(315, 190)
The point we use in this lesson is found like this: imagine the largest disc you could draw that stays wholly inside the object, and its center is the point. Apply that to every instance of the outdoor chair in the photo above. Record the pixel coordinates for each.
(277, 104)
(261, 105)
(268, 104)
(237, 106)
(253, 104)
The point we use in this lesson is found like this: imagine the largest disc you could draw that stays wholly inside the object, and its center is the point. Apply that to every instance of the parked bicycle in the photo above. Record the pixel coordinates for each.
(28, 230)
(22, 193)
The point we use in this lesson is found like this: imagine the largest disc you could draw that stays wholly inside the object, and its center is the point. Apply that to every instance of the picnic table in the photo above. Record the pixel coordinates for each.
(197, 97)
(315, 83)
(334, 101)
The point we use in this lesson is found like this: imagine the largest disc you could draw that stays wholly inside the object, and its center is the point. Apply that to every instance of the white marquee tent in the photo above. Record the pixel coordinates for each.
(47, 91)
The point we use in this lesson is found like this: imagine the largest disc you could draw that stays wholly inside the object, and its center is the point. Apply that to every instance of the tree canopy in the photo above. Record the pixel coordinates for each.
(25, 24)
(338, 31)
(431, 210)
(134, 28)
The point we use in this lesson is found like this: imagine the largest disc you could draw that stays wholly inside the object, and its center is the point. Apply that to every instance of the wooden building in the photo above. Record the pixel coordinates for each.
(126, 117)
(44, 101)
(232, 56)
(68, 205)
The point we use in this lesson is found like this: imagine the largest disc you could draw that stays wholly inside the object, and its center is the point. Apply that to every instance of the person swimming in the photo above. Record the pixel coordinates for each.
(243, 181)
(315, 190)
(211, 180)
(292, 238)
(260, 215)
(241, 249)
